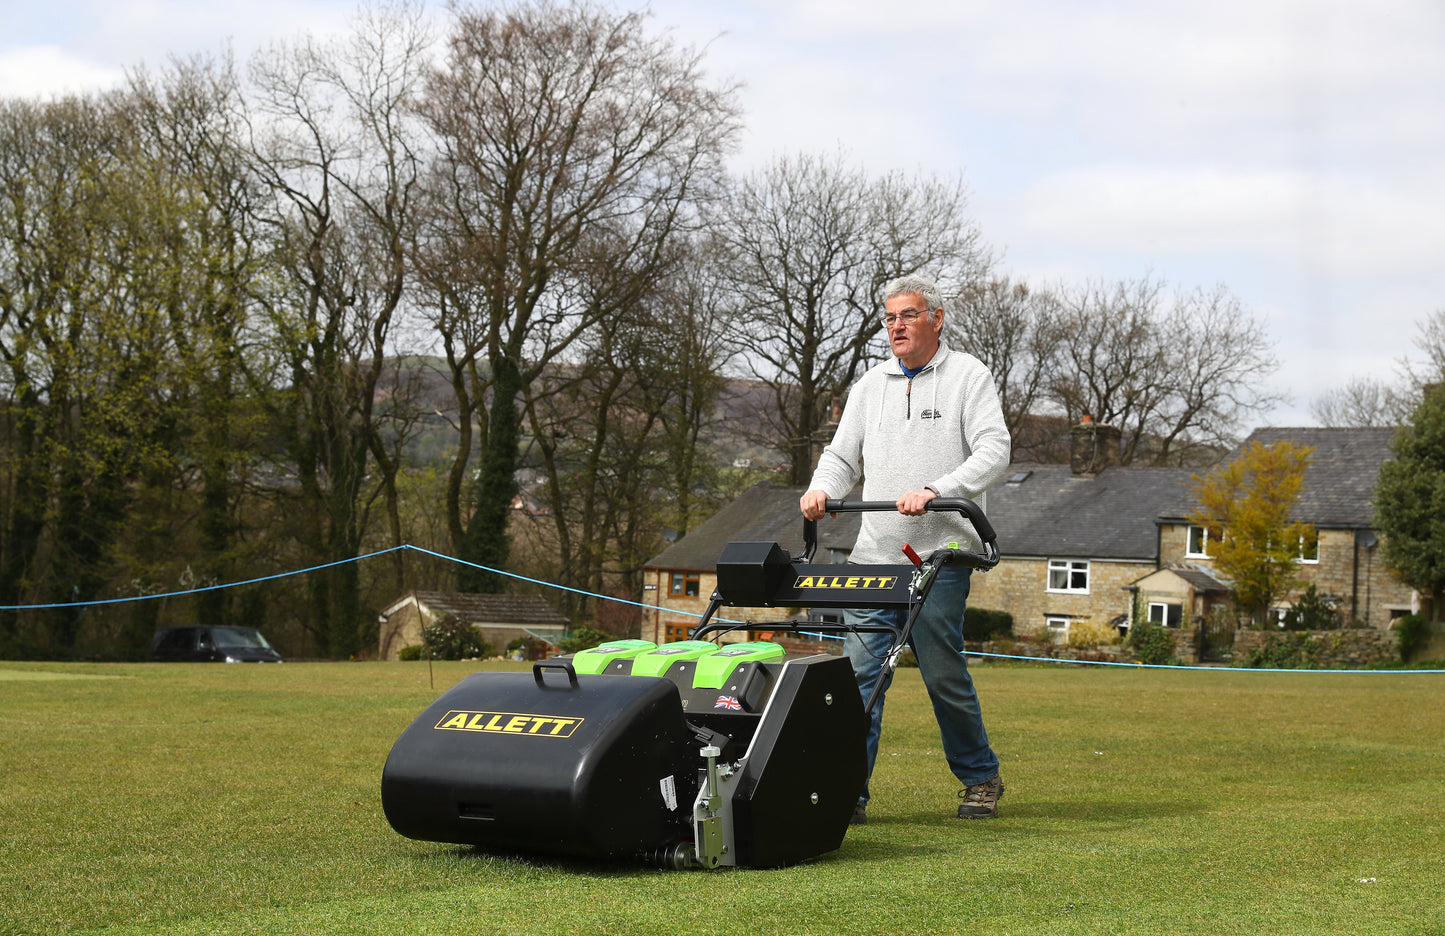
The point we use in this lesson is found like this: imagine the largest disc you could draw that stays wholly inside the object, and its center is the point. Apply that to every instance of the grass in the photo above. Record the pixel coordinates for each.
(214, 799)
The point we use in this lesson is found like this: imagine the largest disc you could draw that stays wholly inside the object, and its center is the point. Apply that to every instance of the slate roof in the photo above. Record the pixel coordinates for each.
(521, 610)
(1053, 513)
(1199, 579)
(1057, 514)
(765, 513)
(1339, 484)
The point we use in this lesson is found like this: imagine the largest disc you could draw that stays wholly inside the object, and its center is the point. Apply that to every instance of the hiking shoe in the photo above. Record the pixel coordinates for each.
(980, 801)
(860, 815)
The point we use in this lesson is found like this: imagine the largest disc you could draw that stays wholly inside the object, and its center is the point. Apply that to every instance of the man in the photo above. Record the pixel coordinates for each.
(924, 424)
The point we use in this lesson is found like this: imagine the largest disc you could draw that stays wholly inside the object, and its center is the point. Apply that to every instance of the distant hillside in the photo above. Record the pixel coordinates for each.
(425, 383)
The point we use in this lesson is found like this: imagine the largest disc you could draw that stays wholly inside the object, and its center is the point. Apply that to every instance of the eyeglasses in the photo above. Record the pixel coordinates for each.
(906, 317)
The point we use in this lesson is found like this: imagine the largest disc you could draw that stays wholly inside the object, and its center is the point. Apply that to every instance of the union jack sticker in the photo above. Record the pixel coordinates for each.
(729, 702)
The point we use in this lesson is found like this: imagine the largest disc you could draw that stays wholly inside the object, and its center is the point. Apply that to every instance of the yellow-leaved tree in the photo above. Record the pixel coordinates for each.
(1245, 504)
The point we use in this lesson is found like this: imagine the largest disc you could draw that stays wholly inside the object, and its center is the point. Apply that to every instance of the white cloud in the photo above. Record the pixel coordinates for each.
(1330, 223)
(79, 45)
(43, 71)
(1178, 78)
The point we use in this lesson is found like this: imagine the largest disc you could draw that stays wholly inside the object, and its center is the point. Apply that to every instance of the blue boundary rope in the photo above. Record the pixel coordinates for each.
(639, 604)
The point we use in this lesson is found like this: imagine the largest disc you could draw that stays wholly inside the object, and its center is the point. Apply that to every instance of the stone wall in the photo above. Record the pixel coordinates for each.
(1051, 651)
(1339, 649)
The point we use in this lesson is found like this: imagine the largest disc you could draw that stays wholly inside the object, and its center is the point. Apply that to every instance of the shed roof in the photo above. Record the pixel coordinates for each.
(1199, 581)
(766, 513)
(519, 610)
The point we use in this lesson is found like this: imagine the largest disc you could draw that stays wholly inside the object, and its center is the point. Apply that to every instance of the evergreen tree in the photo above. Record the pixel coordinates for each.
(1410, 500)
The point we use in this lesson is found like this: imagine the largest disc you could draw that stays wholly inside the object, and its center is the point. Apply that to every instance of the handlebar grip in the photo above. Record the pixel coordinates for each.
(961, 505)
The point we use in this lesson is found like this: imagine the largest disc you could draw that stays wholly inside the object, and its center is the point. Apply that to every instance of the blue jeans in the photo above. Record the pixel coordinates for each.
(937, 641)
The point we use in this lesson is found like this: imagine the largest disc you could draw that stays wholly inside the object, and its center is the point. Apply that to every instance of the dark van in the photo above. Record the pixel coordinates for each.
(212, 645)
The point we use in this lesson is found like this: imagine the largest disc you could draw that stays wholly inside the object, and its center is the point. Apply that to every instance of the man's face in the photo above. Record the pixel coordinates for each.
(914, 343)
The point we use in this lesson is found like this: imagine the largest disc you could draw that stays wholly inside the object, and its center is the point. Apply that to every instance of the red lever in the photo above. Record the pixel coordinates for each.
(912, 556)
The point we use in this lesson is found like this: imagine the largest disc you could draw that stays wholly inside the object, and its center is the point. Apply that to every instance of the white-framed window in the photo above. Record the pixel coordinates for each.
(1197, 544)
(1069, 575)
(1309, 548)
(1057, 629)
(1166, 613)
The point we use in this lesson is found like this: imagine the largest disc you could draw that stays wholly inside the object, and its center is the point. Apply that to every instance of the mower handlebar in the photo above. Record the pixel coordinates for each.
(971, 511)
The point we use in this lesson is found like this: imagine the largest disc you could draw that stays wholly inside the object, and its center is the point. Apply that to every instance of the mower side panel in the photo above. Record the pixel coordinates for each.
(805, 768)
(603, 767)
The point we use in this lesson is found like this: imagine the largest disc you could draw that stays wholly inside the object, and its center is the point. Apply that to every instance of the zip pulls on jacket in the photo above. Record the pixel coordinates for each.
(908, 392)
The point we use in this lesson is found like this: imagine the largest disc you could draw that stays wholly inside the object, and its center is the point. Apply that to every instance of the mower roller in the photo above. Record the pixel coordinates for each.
(690, 754)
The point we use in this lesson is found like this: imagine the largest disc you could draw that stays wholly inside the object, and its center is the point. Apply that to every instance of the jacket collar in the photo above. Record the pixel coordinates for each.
(895, 366)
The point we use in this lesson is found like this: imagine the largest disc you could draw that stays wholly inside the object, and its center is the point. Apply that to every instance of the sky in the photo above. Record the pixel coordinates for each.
(1292, 151)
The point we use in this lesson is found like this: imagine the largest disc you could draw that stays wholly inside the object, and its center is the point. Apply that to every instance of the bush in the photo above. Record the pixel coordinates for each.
(1153, 643)
(584, 638)
(1411, 632)
(409, 653)
(527, 648)
(1311, 613)
(1092, 633)
(980, 624)
(454, 639)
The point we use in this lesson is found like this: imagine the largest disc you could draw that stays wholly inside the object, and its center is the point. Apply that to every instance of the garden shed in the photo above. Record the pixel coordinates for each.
(501, 619)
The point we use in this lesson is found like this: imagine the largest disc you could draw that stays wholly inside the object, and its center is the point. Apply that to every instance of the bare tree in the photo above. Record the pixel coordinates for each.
(573, 148)
(1176, 373)
(1373, 401)
(809, 243)
(1364, 401)
(1429, 338)
(333, 144)
(681, 379)
(1218, 357)
(1014, 330)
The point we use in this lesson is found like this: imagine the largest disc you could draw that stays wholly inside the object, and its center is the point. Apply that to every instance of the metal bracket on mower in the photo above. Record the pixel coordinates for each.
(712, 812)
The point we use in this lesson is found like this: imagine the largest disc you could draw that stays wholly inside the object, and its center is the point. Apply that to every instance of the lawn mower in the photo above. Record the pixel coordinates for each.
(697, 753)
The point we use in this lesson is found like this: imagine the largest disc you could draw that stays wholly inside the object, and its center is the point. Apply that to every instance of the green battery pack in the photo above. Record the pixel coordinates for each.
(658, 661)
(596, 659)
(714, 669)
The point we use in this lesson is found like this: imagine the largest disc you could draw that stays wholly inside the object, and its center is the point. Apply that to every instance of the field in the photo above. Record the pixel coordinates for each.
(189, 799)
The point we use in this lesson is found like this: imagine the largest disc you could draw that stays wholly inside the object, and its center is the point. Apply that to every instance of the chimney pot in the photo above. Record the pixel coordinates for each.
(1093, 447)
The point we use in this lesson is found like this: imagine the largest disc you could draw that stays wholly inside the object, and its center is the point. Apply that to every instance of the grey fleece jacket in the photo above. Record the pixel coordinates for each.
(942, 429)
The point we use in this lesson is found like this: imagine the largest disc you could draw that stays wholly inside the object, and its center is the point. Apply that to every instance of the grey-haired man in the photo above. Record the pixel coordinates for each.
(926, 423)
